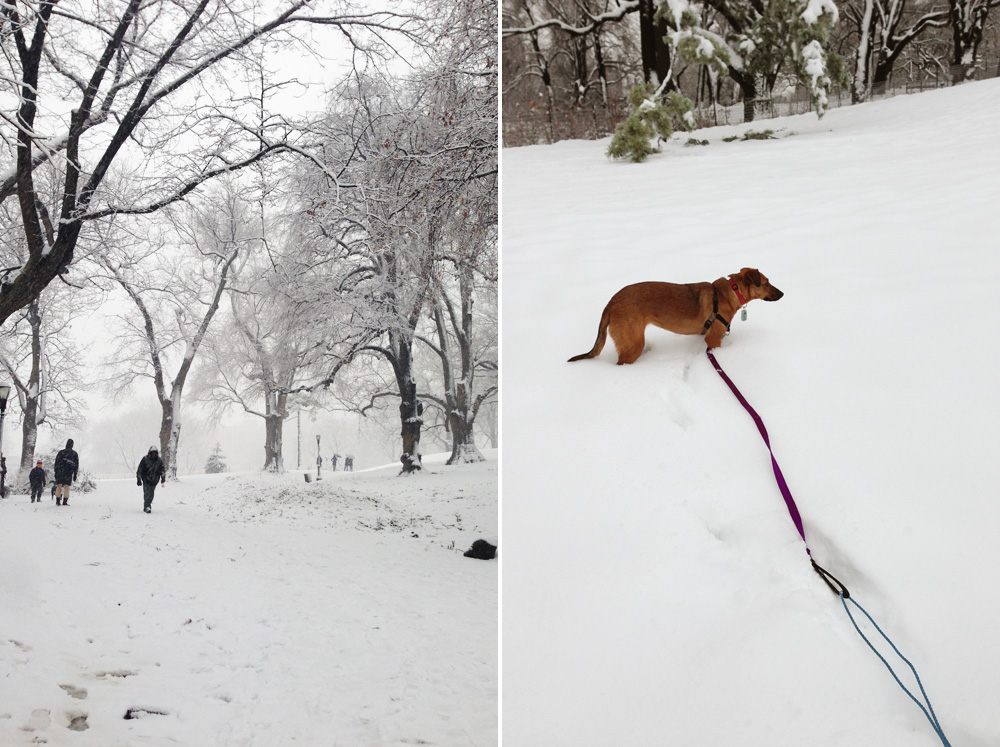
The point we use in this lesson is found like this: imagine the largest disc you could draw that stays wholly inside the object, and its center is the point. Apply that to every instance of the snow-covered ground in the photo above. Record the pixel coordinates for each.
(655, 591)
(253, 610)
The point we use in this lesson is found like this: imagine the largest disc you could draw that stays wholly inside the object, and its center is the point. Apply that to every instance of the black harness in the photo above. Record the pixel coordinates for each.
(715, 313)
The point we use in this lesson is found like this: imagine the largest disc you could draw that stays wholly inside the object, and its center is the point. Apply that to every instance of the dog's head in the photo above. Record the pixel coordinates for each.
(757, 285)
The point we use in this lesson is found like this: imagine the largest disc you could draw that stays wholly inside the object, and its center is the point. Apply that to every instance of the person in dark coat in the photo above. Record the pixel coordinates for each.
(151, 469)
(65, 469)
(37, 478)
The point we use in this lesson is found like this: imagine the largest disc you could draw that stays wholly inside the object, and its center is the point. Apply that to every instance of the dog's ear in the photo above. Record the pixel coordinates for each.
(751, 276)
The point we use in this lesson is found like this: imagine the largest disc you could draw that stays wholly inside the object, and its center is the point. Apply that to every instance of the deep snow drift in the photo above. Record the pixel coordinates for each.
(253, 610)
(655, 591)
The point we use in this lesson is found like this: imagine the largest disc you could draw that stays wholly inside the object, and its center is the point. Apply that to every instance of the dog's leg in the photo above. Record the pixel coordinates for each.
(630, 339)
(714, 337)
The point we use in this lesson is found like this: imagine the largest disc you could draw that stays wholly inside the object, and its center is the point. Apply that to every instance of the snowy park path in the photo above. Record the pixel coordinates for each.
(214, 630)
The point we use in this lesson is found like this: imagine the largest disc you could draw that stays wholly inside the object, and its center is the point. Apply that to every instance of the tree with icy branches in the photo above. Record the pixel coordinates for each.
(406, 185)
(174, 292)
(133, 82)
(762, 40)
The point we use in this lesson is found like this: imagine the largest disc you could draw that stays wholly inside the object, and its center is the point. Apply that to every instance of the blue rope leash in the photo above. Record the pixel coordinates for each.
(836, 586)
(929, 710)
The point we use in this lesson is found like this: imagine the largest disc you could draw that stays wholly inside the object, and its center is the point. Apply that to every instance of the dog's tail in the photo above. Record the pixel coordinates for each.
(602, 335)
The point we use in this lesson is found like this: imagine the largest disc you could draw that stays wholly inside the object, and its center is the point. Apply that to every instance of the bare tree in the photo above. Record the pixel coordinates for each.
(885, 30)
(175, 301)
(419, 154)
(39, 354)
(103, 87)
(968, 22)
(462, 356)
(574, 49)
(254, 359)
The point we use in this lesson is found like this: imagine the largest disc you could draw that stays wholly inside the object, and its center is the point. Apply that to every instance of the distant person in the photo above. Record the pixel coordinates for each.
(151, 469)
(333, 461)
(65, 470)
(348, 463)
(37, 478)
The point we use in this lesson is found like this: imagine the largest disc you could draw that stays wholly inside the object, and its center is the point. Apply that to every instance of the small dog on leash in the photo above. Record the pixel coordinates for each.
(687, 309)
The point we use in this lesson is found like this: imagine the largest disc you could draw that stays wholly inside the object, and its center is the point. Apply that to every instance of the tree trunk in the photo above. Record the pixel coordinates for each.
(749, 89)
(29, 437)
(410, 412)
(273, 460)
(29, 424)
(602, 69)
(655, 52)
(274, 424)
(968, 21)
(861, 85)
(462, 415)
(880, 79)
(170, 433)
(463, 442)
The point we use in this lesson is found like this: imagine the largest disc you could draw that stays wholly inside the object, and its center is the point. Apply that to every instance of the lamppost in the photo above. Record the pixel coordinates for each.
(4, 394)
(319, 461)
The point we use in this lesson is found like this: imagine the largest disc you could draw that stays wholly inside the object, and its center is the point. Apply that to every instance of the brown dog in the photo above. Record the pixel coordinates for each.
(688, 309)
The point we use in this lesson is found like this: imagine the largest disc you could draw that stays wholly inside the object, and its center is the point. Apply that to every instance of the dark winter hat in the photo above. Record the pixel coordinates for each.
(39, 462)
(69, 443)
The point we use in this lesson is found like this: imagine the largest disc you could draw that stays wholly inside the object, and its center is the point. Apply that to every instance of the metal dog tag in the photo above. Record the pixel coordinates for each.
(743, 316)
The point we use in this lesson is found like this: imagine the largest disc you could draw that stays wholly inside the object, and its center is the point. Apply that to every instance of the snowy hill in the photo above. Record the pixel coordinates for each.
(655, 591)
(253, 610)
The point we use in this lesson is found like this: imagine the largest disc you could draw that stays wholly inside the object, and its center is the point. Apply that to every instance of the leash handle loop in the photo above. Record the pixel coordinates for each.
(836, 586)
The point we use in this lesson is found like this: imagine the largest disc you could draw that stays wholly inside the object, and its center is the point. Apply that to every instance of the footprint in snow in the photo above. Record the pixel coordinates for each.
(40, 720)
(80, 693)
(77, 721)
(132, 713)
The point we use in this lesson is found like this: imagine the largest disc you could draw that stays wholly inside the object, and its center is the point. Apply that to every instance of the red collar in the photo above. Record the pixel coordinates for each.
(739, 295)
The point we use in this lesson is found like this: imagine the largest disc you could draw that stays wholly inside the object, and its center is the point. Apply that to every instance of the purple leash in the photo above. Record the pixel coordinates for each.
(835, 586)
(793, 510)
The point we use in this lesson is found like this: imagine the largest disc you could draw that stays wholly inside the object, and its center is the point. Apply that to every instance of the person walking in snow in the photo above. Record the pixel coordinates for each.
(65, 470)
(348, 463)
(37, 478)
(333, 461)
(150, 470)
